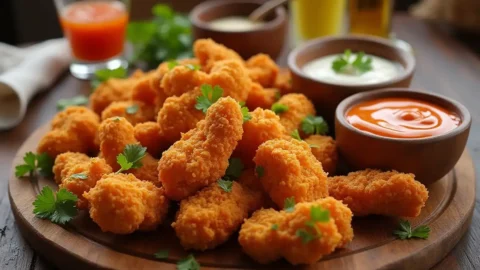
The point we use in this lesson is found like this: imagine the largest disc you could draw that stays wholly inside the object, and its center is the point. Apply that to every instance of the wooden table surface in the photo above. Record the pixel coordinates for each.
(444, 66)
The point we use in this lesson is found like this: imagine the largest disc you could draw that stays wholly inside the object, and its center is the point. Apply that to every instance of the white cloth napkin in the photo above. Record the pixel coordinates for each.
(27, 72)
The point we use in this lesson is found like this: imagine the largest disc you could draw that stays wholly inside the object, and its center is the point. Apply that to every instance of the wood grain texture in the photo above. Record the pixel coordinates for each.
(444, 66)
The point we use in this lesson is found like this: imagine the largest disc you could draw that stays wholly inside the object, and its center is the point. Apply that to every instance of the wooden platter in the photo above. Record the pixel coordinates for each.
(81, 244)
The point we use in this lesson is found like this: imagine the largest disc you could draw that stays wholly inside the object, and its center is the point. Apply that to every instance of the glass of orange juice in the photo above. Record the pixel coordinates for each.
(96, 32)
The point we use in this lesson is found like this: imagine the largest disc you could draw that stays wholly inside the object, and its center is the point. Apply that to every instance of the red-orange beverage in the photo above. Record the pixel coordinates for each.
(96, 30)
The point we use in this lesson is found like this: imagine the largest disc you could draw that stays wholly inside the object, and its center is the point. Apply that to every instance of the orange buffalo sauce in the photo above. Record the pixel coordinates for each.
(96, 30)
(402, 118)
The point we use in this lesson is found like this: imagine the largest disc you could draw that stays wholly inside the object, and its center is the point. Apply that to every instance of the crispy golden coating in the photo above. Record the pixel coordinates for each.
(122, 204)
(182, 79)
(148, 134)
(262, 69)
(113, 90)
(283, 82)
(299, 107)
(64, 162)
(265, 244)
(72, 130)
(290, 170)
(372, 192)
(264, 125)
(208, 218)
(259, 97)
(93, 169)
(134, 111)
(147, 89)
(233, 77)
(208, 52)
(201, 156)
(179, 115)
(325, 151)
(148, 171)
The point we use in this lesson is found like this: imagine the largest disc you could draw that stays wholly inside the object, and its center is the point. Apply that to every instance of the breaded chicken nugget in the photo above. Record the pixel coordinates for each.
(208, 52)
(269, 235)
(262, 69)
(283, 81)
(259, 97)
(263, 126)
(73, 130)
(182, 79)
(325, 150)
(147, 89)
(113, 90)
(81, 177)
(342, 215)
(372, 192)
(134, 111)
(64, 162)
(233, 77)
(299, 107)
(179, 115)
(289, 169)
(201, 156)
(208, 218)
(148, 134)
(122, 204)
(250, 180)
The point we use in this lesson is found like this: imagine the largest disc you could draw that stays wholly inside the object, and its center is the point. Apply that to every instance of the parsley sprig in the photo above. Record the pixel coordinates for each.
(105, 74)
(131, 157)
(314, 125)
(233, 172)
(209, 96)
(188, 263)
(245, 113)
(279, 108)
(42, 163)
(296, 135)
(59, 208)
(63, 103)
(405, 231)
(360, 65)
(311, 232)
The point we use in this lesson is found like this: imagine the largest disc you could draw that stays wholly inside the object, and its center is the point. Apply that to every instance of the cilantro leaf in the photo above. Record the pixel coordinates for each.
(209, 96)
(318, 214)
(305, 236)
(193, 67)
(43, 162)
(274, 227)
(188, 263)
(296, 135)
(172, 64)
(102, 75)
(131, 157)
(405, 231)
(289, 204)
(81, 176)
(314, 125)
(226, 185)
(28, 166)
(60, 209)
(63, 103)
(132, 109)
(234, 170)
(260, 171)
(360, 65)
(161, 254)
(29, 159)
(422, 232)
(279, 108)
(123, 162)
(246, 114)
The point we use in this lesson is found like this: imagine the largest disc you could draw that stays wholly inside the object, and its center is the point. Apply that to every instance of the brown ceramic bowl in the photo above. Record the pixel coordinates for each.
(326, 96)
(268, 39)
(428, 158)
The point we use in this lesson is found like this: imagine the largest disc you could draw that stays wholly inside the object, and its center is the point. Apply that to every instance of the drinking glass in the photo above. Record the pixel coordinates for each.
(96, 31)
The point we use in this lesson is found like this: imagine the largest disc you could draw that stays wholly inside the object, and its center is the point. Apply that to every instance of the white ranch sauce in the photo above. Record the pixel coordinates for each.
(234, 24)
(382, 71)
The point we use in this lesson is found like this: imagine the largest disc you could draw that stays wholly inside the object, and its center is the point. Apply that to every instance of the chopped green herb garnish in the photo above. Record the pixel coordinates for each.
(81, 176)
(63, 103)
(58, 209)
(360, 65)
(226, 185)
(105, 74)
(289, 204)
(41, 162)
(132, 109)
(188, 263)
(405, 231)
(278, 108)
(260, 171)
(131, 157)
(193, 67)
(246, 114)
(305, 235)
(234, 170)
(296, 135)
(161, 254)
(209, 96)
(314, 125)
(172, 64)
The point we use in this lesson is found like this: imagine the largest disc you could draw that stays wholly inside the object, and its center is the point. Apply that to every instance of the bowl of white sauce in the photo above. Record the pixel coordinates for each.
(328, 70)
(226, 22)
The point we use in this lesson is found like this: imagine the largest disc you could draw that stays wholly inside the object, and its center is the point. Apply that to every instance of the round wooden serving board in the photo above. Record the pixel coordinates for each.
(81, 244)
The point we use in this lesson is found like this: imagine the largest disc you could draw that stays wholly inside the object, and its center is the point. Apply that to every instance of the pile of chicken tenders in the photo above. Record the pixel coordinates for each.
(215, 146)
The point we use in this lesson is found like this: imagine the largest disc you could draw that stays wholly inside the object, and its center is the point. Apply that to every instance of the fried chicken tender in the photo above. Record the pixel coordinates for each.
(182, 79)
(290, 170)
(179, 115)
(148, 134)
(72, 130)
(208, 52)
(134, 111)
(233, 77)
(283, 81)
(259, 97)
(147, 89)
(263, 126)
(208, 218)
(299, 107)
(372, 192)
(114, 134)
(113, 90)
(64, 162)
(122, 204)
(265, 244)
(262, 69)
(201, 156)
(325, 151)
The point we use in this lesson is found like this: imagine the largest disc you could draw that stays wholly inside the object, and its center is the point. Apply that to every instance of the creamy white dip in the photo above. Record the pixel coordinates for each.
(234, 24)
(382, 71)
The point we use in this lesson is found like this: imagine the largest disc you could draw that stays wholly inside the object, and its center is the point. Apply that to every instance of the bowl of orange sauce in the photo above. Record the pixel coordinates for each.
(401, 129)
